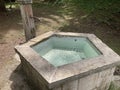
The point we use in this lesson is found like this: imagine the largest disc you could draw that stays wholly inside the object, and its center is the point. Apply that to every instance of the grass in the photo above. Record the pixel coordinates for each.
(113, 87)
(92, 5)
(13, 5)
(104, 10)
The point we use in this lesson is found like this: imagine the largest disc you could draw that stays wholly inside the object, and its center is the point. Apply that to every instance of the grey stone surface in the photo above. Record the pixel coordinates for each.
(52, 76)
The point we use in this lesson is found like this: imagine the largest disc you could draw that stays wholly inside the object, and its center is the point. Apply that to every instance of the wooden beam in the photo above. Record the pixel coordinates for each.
(2, 6)
(28, 22)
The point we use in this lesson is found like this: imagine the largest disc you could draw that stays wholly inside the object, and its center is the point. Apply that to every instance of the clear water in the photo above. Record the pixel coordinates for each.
(61, 50)
(59, 57)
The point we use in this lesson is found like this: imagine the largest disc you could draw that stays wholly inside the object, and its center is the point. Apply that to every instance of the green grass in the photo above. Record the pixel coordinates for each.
(92, 5)
(113, 87)
(13, 5)
(103, 9)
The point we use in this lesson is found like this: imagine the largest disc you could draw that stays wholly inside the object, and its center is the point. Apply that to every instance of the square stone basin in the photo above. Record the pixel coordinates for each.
(67, 61)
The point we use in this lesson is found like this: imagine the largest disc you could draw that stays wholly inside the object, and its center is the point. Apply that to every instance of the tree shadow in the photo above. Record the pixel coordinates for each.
(18, 80)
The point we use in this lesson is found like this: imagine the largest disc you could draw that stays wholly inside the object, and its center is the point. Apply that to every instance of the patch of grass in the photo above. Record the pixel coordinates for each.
(39, 5)
(92, 5)
(12, 5)
(103, 10)
(113, 87)
(115, 48)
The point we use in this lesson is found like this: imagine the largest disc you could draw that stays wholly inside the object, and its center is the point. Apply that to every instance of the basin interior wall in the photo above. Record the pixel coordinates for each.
(61, 50)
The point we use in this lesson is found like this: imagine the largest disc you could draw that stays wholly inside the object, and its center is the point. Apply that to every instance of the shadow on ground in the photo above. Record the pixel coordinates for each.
(18, 80)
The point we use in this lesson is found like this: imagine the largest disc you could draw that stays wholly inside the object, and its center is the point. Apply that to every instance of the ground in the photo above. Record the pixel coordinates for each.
(50, 18)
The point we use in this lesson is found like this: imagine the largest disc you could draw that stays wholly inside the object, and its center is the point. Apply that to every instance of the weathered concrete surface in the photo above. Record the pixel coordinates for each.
(97, 81)
(63, 77)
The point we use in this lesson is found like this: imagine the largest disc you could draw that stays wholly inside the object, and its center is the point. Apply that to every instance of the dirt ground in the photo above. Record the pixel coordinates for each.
(11, 34)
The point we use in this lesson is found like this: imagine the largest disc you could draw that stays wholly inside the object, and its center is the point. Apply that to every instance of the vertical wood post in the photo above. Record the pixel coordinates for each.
(2, 6)
(28, 21)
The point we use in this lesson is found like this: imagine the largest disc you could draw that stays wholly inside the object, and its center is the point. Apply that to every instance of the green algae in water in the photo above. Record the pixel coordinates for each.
(61, 50)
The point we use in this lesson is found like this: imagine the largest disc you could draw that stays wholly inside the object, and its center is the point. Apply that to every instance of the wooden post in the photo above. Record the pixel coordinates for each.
(28, 21)
(2, 6)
